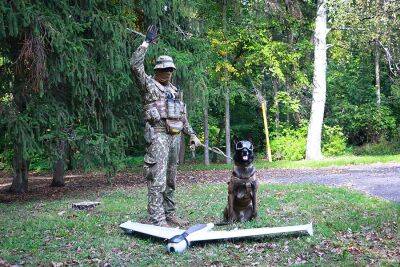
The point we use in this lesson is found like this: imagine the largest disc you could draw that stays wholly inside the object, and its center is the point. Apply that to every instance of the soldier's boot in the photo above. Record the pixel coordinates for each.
(149, 221)
(162, 224)
(172, 219)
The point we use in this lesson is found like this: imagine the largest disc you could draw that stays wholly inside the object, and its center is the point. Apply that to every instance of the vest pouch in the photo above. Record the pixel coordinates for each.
(152, 115)
(174, 126)
(148, 133)
(174, 109)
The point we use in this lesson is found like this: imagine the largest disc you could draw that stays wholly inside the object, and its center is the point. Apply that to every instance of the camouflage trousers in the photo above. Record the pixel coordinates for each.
(160, 164)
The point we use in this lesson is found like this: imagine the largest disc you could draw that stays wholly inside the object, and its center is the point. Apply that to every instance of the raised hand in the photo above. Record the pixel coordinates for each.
(151, 34)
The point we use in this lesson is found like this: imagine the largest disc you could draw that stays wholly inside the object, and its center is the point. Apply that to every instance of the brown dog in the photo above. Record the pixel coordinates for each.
(242, 187)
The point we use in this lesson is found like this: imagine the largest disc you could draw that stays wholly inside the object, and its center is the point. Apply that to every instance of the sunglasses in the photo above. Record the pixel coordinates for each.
(166, 70)
(244, 144)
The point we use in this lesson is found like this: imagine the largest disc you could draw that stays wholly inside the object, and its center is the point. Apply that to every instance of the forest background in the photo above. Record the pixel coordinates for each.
(68, 99)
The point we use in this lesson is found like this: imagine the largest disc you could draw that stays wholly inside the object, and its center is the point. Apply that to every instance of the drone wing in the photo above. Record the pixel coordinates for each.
(152, 230)
(215, 235)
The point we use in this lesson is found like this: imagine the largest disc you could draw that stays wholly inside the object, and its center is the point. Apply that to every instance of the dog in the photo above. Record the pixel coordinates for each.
(242, 186)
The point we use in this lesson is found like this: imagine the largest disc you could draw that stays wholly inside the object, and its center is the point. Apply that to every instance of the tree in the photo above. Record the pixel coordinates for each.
(206, 129)
(72, 64)
(66, 90)
(369, 28)
(313, 150)
(377, 74)
(227, 96)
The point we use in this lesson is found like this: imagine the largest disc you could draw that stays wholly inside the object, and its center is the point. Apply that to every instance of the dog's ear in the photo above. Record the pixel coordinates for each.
(235, 139)
(250, 138)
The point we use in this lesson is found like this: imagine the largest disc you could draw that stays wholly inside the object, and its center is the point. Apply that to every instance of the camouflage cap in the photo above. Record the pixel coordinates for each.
(164, 62)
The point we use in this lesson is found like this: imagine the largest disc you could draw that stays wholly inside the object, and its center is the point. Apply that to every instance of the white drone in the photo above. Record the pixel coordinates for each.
(179, 240)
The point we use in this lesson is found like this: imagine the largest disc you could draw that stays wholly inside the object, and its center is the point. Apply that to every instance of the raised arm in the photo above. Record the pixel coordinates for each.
(137, 64)
(137, 59)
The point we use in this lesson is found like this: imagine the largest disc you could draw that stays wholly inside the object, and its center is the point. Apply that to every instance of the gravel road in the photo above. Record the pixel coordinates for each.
(382, 180)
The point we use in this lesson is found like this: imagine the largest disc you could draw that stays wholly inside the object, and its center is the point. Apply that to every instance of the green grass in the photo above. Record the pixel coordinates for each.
(135, 164)
(349, 228)
(283, 164)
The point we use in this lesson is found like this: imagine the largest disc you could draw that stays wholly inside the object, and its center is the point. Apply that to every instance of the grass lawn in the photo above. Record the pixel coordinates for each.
(349, 228)
(134, 164)
(283, 164)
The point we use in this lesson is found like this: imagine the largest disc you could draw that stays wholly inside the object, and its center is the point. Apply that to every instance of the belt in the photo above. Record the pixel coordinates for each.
(161, 127)
(163, 130)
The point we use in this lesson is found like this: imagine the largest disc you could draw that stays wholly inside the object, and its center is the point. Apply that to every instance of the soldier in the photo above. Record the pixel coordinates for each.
(165, 118)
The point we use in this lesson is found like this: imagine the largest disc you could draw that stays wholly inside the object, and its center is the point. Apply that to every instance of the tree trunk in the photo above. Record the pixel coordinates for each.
(182, 150)
(20, 163)
(58, 169)
(206, 131)
(218, 141)
(21, 168)
(377, 75)
(227, 99)
(271, 6)
(276, 104)
(313, 151)
(287, 88)
(58, 173)
(227, 127)
(182, 142)
(70, 156)
(294, 8)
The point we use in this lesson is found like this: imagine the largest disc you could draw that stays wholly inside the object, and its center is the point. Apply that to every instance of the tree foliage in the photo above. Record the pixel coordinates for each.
(66, 90)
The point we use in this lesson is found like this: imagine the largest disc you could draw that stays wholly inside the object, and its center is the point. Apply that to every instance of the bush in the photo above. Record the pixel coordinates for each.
(334, 141)
(290, 144)
(39, 162)
(5, 160)
(383, 147)
(364, 123)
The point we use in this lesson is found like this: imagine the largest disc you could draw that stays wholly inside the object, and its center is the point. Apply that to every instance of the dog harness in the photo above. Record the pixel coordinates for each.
(242, 184)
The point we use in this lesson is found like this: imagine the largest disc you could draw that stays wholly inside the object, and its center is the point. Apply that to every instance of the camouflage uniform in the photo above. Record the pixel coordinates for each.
(161, 159)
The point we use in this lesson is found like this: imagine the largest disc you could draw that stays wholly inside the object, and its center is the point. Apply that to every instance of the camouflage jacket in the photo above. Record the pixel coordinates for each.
(153, 92)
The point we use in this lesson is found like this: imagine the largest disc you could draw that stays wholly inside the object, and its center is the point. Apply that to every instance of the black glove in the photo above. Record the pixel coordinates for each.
(151, 34)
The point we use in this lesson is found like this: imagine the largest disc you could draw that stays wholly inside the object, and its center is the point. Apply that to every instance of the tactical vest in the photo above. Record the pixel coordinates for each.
(167, 108)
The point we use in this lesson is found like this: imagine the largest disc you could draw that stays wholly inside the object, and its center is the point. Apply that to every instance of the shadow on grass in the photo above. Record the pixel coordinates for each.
(75, 184)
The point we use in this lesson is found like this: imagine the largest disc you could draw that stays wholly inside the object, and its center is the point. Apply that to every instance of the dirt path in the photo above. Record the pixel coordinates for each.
(382, 180)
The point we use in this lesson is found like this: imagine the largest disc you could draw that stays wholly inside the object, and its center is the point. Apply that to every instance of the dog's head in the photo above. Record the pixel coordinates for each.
(244, 152)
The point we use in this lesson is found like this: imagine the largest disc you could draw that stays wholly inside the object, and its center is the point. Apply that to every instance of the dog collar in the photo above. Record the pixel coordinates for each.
(243, 172)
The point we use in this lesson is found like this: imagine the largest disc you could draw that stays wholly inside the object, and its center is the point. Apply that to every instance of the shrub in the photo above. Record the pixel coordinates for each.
(39, 162)
(364, 123)
(334, 141)
(5, 160)
(290, 144)
(383, 147)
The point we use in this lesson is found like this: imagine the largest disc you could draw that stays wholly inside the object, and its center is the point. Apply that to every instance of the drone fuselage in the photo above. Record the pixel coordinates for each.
(179, 247)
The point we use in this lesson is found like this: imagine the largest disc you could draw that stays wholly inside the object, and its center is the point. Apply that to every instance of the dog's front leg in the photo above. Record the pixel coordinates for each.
(230, 202)
(254, 188)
